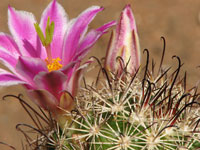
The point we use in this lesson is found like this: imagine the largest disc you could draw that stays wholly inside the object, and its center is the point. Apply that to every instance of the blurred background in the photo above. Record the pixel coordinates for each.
(178, 21)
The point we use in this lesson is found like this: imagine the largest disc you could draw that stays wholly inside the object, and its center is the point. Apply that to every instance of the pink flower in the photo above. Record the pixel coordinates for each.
(124, 44)
(48, 71)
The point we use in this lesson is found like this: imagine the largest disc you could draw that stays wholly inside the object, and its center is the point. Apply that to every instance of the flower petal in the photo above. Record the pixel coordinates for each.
(69, 68)
(7, 42)
(127, 21)
(75, 31)
(111, 53)
(21, 25)
(91, 38)
(29, 67)
(76, 77)
(127, 32)
(43, 99)
(7, 79)
(57, 14)
(8, 59)
(54, 82)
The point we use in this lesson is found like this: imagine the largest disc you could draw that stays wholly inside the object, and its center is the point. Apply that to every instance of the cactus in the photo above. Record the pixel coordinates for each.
(148, 111)
(126, 107)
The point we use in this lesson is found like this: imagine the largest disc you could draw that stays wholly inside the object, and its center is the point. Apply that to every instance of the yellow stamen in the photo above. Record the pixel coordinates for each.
(53, 64)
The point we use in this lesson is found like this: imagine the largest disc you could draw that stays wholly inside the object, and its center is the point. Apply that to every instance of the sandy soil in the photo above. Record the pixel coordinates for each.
(178, 21)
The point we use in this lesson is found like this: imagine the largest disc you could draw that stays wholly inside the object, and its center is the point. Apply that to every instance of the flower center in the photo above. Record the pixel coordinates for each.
(53, 64)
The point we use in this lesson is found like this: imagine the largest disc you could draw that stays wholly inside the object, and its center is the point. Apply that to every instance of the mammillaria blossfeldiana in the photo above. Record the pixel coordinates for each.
(124, 50)
(124, 108)
(46, 57)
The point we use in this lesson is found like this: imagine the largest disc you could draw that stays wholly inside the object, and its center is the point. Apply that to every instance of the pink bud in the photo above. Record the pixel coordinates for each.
(124, 44)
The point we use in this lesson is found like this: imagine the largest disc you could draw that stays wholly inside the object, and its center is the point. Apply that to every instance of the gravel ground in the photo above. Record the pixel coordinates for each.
(178, 21)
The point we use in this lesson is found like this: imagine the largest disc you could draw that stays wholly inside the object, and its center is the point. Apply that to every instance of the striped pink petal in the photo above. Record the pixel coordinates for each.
(75, 31)
(57, 14)
(21, 25)
(90, 39)
(8, 79)
(54, 82)
(29, 67)
(68, 69)
(8, 59)
(7, 42)
(74, 82)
